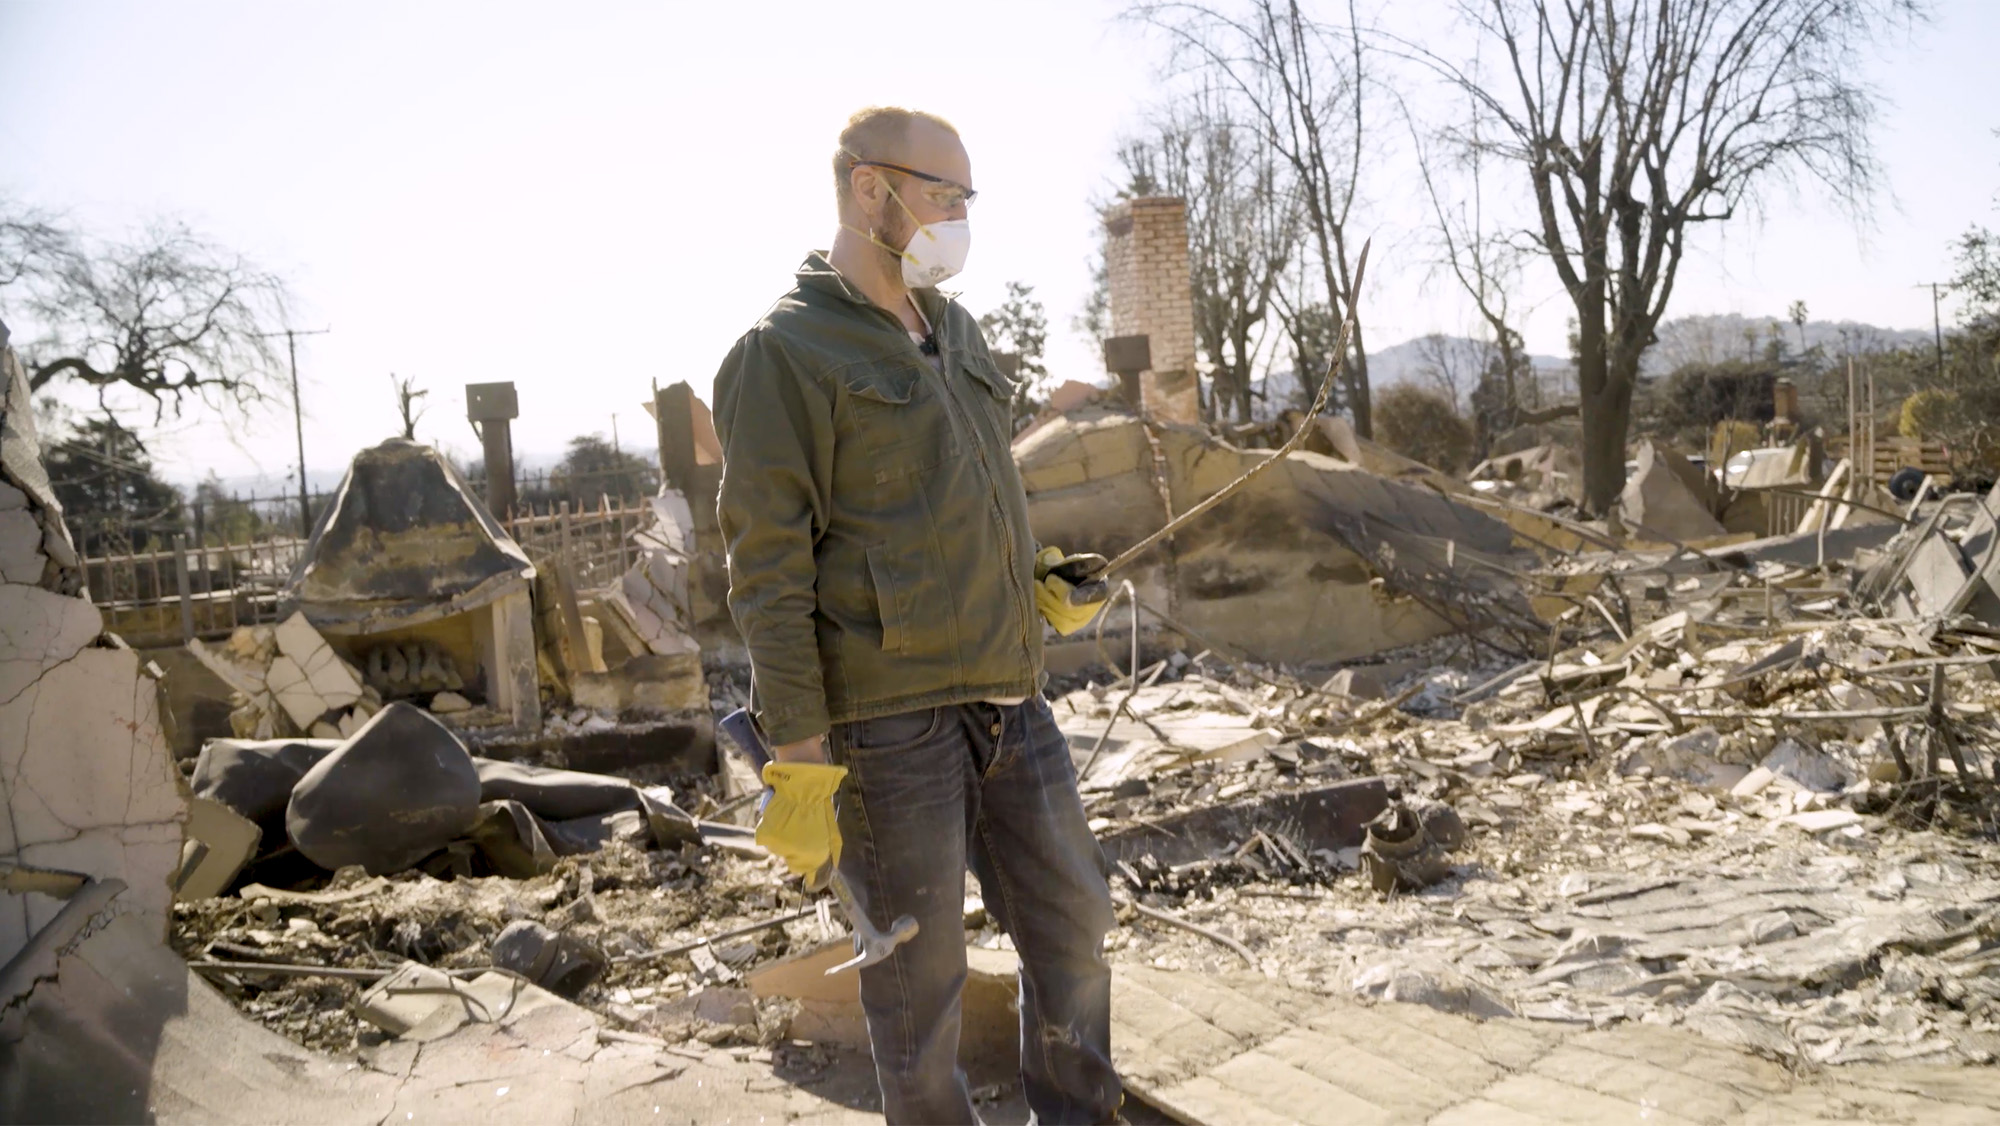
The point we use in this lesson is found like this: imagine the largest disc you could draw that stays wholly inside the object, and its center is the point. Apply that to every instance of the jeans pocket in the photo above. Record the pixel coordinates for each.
(1044, 747)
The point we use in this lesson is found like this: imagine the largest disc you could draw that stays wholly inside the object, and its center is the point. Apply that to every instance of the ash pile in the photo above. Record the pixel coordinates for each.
(398, 821)
(1745, 786)
(1370, 732)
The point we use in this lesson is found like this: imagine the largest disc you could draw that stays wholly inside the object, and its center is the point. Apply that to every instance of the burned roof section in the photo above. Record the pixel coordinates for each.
(403, 541)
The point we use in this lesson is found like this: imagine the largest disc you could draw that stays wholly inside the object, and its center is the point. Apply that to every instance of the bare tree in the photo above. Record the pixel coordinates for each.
(1451, 365)
(171, 315)
(1313, 332)
(1303, 84)
(1486, 263)
(407, 394)
(31, 241)
(1636, 120)
(1243, 227)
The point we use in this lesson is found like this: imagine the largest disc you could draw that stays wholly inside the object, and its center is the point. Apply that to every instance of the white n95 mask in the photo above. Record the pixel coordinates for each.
(936, 252)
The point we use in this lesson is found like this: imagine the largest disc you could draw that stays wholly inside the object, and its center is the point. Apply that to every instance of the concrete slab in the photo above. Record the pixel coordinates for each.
(1243, 1049)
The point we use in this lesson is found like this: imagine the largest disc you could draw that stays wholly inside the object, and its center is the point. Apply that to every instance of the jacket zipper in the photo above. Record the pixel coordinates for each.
(1021, 598)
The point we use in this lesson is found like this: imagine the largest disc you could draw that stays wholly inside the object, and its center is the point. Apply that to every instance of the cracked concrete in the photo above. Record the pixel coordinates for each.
(87, 783)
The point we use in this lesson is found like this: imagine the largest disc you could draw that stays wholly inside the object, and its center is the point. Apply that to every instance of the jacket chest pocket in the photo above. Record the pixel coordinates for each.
(896, 415)
(995, 392)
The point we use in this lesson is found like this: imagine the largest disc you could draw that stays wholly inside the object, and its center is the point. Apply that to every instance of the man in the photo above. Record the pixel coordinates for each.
(883, 576)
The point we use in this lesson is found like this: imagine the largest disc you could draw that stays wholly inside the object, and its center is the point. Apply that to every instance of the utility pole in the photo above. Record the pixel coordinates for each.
(1937, 320)
(299, 418)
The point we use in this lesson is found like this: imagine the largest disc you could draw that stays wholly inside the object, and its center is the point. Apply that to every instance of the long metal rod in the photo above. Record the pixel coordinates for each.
(1305, 424)
(738, 932)
(1193, 927)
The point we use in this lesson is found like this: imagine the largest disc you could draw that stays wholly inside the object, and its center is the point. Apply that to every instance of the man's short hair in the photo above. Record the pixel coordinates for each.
(875, 133)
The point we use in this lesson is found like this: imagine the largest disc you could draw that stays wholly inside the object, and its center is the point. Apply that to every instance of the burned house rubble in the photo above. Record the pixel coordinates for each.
(1674, 806)
(411, 575)
(1421, 801)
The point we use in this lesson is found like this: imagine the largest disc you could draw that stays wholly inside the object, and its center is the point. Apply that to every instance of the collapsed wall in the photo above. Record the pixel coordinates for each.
(1285, 569)
(86, 777)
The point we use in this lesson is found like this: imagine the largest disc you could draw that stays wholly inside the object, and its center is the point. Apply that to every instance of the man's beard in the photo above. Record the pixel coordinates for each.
(895, 229)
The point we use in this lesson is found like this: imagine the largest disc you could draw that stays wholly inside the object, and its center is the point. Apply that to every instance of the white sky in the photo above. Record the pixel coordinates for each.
(584, 198)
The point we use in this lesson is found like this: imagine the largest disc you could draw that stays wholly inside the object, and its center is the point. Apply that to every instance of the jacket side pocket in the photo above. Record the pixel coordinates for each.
(885, 599)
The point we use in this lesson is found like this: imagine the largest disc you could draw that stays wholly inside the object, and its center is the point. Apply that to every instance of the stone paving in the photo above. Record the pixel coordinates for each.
(1246, 1050)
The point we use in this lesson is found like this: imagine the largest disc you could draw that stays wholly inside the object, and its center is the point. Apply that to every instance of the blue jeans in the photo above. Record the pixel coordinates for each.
(926, 792)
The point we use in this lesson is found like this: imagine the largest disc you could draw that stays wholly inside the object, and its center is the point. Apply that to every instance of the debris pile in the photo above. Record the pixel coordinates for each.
(652, 600)
(1318, 560)
(403, 792)
(357, 961)
(1750, 791)
(287, 681)
(1744, 787)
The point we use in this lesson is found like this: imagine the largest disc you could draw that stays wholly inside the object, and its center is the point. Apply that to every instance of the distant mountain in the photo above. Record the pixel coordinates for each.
(1422, 360)
(1711, 338)
(1414, 360)
(1706, 338)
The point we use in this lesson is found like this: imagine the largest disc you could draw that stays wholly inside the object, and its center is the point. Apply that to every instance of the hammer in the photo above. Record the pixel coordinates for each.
(871, 945)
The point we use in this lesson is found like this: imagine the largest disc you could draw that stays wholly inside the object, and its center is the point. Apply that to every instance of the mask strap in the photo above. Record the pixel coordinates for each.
(923, 228)
(898, 197)
(876, 241)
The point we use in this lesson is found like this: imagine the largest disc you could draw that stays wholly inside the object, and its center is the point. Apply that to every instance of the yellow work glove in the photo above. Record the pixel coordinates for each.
(1052, 594)
(798, 824)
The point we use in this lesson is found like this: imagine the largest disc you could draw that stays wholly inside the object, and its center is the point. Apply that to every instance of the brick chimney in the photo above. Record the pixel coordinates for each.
(1784, 401)
(1146, 254)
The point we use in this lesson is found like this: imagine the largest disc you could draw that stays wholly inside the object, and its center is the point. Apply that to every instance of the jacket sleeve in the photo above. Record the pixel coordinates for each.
(776, 426)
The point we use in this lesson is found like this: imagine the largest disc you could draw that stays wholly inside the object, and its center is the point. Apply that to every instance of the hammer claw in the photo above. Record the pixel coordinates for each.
(871, 945)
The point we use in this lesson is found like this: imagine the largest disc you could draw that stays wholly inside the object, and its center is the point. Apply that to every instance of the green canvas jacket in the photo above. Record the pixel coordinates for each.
(879, 553)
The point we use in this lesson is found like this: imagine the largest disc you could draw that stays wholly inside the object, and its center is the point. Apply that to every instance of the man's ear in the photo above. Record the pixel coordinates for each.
(867, 187)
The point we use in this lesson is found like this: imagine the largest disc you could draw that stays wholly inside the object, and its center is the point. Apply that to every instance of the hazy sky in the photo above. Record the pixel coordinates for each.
(587, 197)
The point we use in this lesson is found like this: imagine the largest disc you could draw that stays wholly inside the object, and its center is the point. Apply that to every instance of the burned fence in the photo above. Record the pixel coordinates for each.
(233, 574)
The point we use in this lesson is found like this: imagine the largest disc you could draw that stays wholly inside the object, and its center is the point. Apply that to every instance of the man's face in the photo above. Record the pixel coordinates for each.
(927, 149)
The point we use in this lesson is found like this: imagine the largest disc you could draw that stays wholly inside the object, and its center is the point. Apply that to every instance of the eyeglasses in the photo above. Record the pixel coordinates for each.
(946, 194)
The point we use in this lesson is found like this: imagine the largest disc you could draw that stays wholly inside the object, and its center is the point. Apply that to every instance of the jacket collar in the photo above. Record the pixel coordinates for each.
(817, 274)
